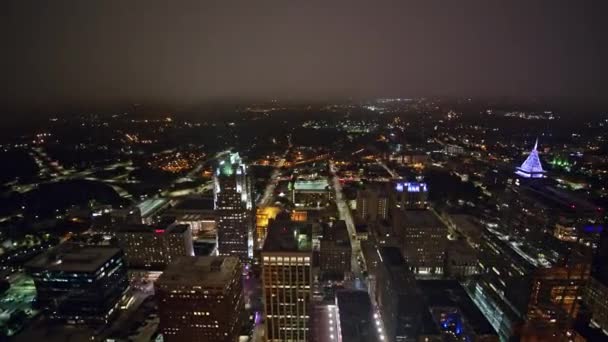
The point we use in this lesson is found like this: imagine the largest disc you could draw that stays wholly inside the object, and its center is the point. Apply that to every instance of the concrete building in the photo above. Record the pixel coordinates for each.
(234, 208)
(423, 240)
(79, 285)
(372, 203)
(200, 299)
(150, 247)
(287, 280)
(198, 212)
(409, 195)
(400, 301)
(335, 252)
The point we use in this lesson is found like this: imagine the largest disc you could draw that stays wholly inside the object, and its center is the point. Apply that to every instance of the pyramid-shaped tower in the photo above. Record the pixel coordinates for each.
(531, 167)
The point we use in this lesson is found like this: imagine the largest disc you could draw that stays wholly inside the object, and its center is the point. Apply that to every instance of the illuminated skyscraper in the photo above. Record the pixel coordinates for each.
(531, 167)
(287, 278)
(234, 207)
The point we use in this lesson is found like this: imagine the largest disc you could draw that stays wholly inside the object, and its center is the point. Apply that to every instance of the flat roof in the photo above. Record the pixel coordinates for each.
(288, 236)
(195, 203)
(313, 185)
(449, 293)
(70, 257)
(419, 218)
(206, 271)
(143, 228)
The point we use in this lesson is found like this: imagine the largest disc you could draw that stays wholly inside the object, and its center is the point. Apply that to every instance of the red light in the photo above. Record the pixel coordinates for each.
(159, 231)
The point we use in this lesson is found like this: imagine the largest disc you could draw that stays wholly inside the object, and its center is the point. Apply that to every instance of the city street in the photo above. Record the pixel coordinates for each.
(346, 215)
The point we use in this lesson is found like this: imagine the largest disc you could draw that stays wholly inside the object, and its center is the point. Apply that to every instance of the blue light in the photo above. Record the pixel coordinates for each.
(399, 187)
(593, 229)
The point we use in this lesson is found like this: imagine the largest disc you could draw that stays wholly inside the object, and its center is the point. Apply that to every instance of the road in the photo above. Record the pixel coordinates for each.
(390, 172)
(346, 215)
(272, 183)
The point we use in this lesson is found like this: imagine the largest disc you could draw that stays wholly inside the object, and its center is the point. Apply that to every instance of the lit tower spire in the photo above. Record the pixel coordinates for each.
(531, 167)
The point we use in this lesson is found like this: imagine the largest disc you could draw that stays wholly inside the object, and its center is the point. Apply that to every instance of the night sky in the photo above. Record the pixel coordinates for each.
(94, 53)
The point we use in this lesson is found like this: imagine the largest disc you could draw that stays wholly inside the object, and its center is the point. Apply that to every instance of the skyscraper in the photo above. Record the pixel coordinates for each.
(287, 279)
(201, 299)
(234, 207)
(531, 167)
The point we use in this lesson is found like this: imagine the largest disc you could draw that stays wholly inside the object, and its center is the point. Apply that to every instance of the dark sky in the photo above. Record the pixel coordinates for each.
(90, 53)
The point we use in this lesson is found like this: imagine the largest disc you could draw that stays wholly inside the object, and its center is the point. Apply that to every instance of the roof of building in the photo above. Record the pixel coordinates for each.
(288, 236)
(313, 185)
(355, 309)
(418, 218)
(531, 167)
(195, 203)
(143, 228)
(449, 293)
(337, 233)
(70, 257)
(205, 271)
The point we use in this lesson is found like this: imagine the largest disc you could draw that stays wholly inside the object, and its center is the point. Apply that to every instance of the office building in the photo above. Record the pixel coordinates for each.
(423, 240)
(79, 285)
(313, 194)
(198, 212)
(234, 208)
(154, 248)
(335, 251)
(454, 312)
(287, 280)
(356, 316)
(596, 293)
(372, 203)
(200, 299)
(409, 195)
(399, 300)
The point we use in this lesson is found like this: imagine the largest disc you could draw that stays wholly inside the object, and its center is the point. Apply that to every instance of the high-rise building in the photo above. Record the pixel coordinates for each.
(200, 299)
(153, 248)
(531, 167)
(356, 317)
(596, 294)
(399, 300)
(287, 280)
(372, 203)
(423, 239)
(410, 195)
(234, 208)
(79, 285)
(335, 251)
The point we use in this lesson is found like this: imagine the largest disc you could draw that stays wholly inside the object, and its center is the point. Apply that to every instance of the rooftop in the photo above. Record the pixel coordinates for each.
(207, 271)
(142, 228)
(449, 293)
(288, 236)
(195, 203)
(69, 257)
(313, 185)
(418, 218)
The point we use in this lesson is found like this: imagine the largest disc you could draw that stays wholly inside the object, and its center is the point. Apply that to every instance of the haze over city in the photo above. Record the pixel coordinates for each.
(288, 171)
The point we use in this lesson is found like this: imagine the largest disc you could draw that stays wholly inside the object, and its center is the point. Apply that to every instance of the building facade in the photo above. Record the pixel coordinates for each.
(148, 247)
(335, 252)
(200, 299)
(287, 280)
(234, 208)
(79, 285)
